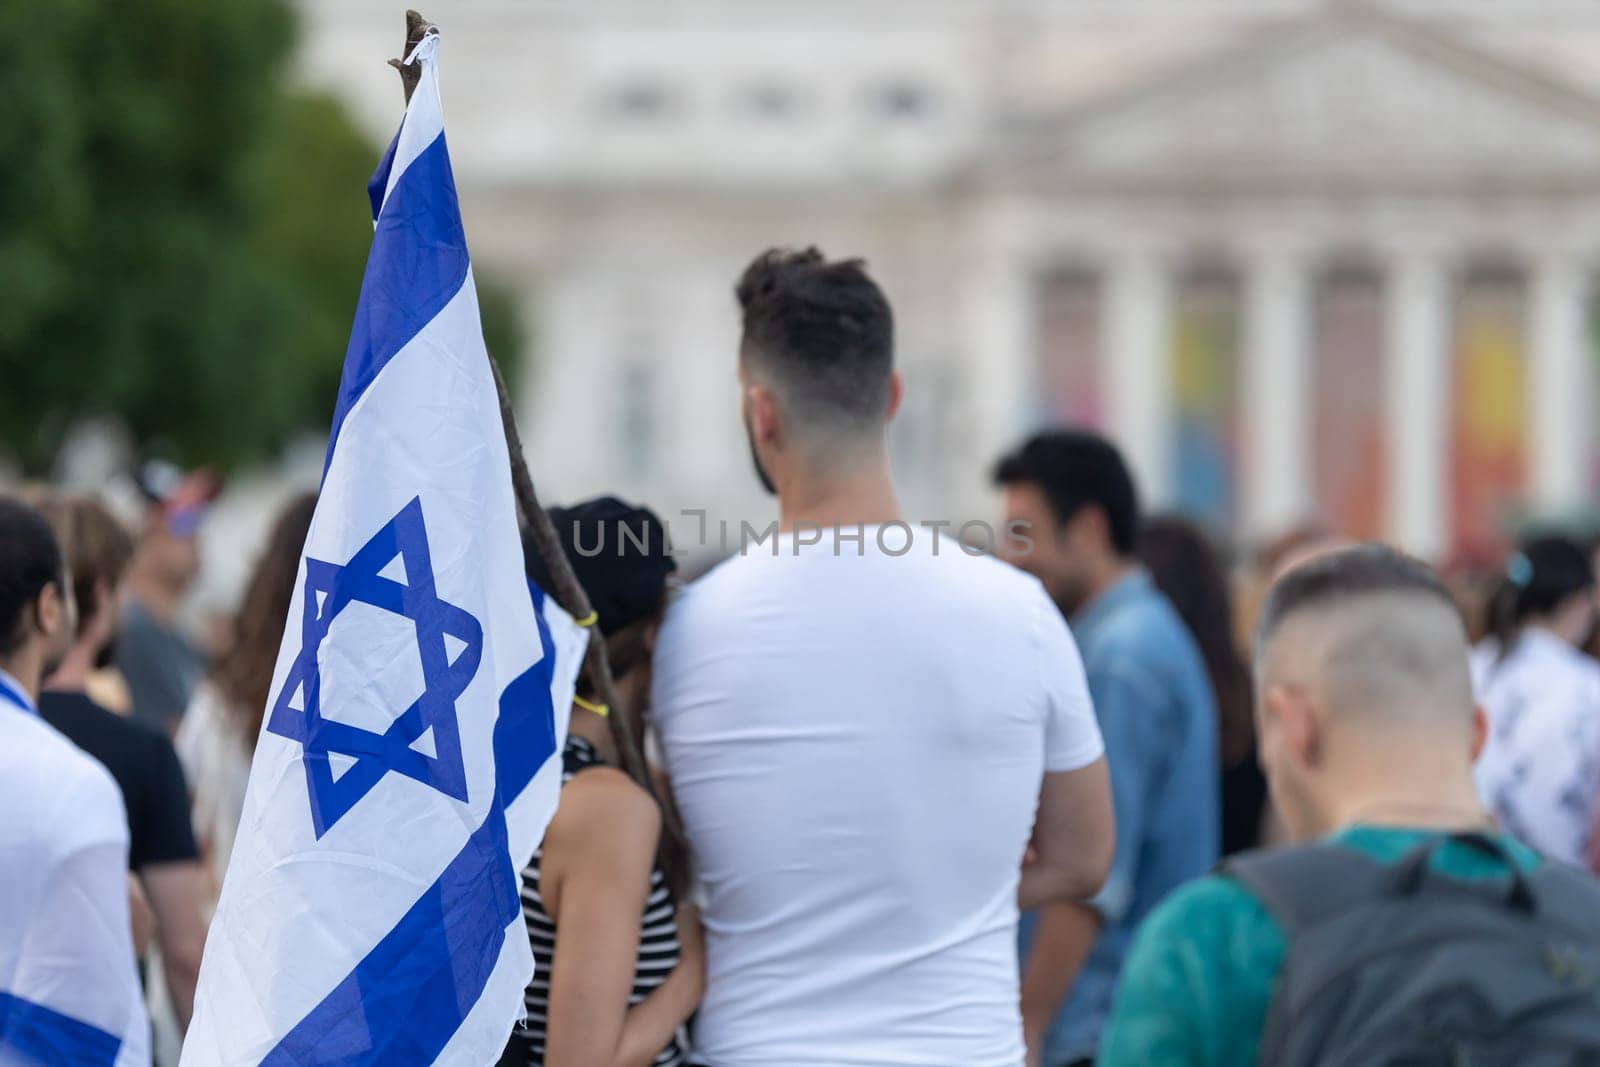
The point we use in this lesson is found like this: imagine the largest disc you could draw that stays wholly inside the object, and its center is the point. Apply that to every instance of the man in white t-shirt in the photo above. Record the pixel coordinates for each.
(867, 729)
(69, 992)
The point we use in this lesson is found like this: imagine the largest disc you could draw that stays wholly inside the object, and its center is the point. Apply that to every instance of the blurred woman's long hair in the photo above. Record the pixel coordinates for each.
(1185, 568)
(1539, 577)
(626, 650)
(243, 673)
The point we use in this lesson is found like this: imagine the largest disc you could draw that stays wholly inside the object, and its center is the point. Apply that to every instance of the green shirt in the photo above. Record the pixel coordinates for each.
(1204, 965)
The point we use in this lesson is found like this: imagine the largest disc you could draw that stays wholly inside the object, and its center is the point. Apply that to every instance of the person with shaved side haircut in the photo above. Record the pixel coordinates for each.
(1406, 928)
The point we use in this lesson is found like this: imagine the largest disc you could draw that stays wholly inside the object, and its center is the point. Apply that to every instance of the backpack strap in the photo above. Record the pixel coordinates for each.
(1567, 898)
(1304, 885)
(1413, 870)
(1301, 887)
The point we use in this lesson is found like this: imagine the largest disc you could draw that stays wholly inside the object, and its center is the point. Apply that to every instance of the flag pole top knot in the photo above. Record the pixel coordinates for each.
(425, 49)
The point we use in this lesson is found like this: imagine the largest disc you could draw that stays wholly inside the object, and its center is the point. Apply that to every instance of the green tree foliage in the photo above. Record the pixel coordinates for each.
(182, 233)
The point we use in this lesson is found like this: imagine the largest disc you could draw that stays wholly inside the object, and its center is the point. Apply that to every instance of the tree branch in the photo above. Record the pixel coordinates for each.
(417, 28)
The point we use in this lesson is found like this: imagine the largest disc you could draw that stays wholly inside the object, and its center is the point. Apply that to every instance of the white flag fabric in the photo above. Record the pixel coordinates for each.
(409, 758)
(69, 992)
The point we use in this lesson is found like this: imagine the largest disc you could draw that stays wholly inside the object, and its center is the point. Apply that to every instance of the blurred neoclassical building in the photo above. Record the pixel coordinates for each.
(1301, 259)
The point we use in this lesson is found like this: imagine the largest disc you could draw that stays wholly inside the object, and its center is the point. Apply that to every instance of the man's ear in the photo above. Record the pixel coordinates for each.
(896, 394)
(50, 610)
(763, 408)
(1480, 731)
(1285, 710)
(1088, 528)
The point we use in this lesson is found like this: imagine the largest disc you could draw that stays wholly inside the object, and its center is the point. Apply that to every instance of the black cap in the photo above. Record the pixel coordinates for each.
(619, 553)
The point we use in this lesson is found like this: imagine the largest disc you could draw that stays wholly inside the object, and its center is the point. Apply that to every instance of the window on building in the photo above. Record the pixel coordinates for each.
(1591, 395)
(1350, 431)
(903, 100)
(1489, 426)
(640, 426)
(770, 100)
(641, 99)
(1068, 343)
(1205, 376)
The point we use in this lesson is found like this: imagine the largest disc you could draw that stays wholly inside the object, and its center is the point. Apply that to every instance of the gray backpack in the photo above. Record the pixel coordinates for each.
(1391, 965)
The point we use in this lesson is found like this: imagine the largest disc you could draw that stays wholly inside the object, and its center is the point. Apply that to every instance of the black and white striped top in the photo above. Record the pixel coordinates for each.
(658, 937)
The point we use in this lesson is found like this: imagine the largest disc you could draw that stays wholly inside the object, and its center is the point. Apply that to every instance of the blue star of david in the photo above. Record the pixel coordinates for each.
(329, 589)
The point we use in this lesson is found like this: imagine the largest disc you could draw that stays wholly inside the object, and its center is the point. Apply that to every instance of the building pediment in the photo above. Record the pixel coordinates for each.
(1350, 99)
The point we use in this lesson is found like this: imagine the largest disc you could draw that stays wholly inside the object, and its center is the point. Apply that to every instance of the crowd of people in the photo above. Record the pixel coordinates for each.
(1103, 795)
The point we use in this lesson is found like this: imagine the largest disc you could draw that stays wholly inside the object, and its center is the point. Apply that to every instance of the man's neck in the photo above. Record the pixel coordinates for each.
(1416, 797)
(862, 495)
(1108, 574)
(25, 666)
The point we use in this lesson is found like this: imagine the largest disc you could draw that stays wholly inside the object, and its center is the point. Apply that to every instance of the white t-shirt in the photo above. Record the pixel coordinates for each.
(1539, 772)
(856, 743)
(67, 972)
(216, 762)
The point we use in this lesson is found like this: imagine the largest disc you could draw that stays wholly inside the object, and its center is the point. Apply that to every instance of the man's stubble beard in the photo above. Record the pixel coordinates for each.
(755, 461)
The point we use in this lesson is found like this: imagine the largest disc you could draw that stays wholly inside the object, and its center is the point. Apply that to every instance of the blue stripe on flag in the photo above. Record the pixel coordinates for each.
(378, 184)
(417, 264)
(525, 734)
(407, 998)
(42, 1035)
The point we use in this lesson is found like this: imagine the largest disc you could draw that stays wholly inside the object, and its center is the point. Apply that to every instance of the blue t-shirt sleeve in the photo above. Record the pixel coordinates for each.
(1196, 986)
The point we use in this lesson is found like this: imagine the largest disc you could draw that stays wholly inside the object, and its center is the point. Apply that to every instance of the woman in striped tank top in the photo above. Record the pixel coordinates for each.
(619, 965)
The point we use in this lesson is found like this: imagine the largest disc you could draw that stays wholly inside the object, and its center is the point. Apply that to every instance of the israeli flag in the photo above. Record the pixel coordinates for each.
(409, 758)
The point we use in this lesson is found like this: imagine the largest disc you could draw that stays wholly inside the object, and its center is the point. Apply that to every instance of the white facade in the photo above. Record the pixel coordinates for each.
(621, 162)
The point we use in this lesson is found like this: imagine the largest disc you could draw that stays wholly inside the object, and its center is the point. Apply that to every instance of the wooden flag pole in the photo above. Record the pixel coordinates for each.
(569, 593)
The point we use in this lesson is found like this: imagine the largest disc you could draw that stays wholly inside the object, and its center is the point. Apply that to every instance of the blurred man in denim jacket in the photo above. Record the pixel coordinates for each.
(1077, 500)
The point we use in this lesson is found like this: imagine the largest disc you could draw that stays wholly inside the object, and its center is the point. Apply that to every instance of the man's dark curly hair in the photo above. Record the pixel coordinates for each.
(822, 335)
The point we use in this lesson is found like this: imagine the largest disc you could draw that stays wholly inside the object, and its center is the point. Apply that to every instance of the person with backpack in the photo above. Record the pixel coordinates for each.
(1405, 928)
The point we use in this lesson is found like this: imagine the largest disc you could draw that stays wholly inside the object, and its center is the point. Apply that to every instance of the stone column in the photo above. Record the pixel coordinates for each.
(573, 351)
(1418, 398)
(1138, 368)
(1001, 334)
(1277, 398)
(701, 385)
(1558, 383)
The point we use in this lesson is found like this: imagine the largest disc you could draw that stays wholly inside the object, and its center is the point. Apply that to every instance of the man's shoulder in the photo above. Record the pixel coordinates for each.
(32, 741)
(116, 741)
(973, 579)
(1198, 979)
(1143, 618)
(703, 597)
(78, 716)
(67, 792)
(1214, 904)
(1145, 636)
(1216, 932)
(989, 571)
